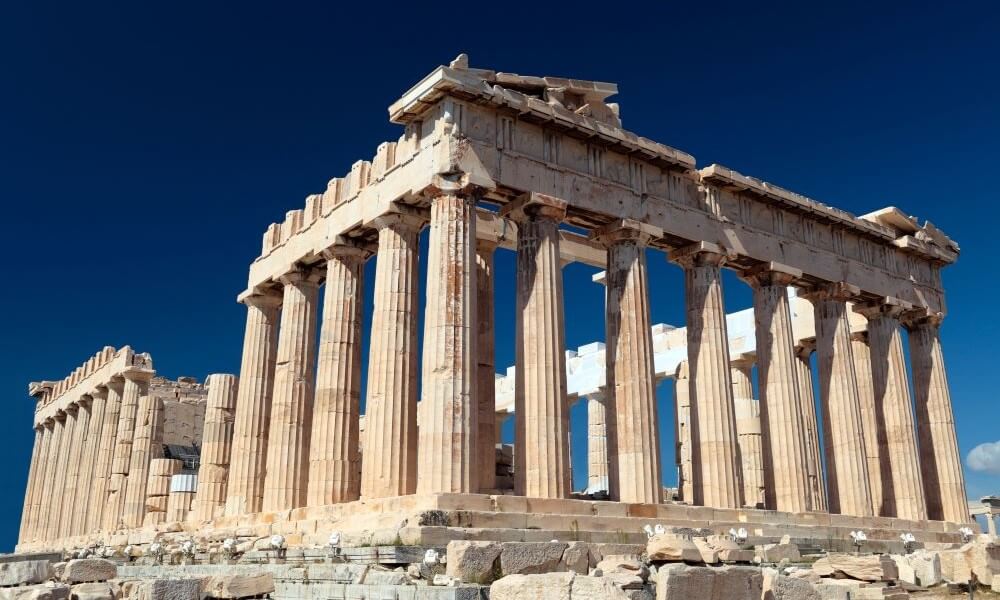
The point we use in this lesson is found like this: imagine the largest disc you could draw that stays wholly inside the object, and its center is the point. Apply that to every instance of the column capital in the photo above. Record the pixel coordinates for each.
(771, 273)
(262, 298)
(840, 290)
(99, 391)
(805, 348)
(743, 363)
(49, 423)
(859, 336)
(535, 205)
(889, 307)
(700, 254)
(626, 230)
(448, 184)
(404, 217)
(115, 384)
(137, 374)
(921, 317)
(302, 274)
(72, 408)
(484, 245)
(348, 248)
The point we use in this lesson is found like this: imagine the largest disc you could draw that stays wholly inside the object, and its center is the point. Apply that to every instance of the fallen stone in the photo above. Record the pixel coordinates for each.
(550, 586)
(44, 591)
(780, 587)
(527, 558)
(474, 562)
(868, 567)
(926, 567)
(444, 580)
(89, 569)
(709, 556)
(775, 553)
(238, 586)
(383, 577)
(595, 588)
(672, 547)
(24, 572)
(625, 564)
(600, 550)
(92, 591)
(168, 589)
(576, 558)
(682, 582)
(996, 584)
(728, 550)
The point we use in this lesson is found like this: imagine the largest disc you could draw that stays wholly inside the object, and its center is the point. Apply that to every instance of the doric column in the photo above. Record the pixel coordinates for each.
(40, 479)
(245, 489)
(717, 481)
(285, 482)
(136, 386)
(49, 501)
(541, 411)
(846, 467)
(81, 423)
(748, 433)
(902, 487)
(105, 457)
(334, 457)
(33, 473)
(629, 370)
(81, 516)
(59, 499)
(147, 444)
(940, 461)
(807, 397)
(786, 454)
(486, 369)
(597, 441)
(450, 411)
(682, 433)
(871, 428)
(216, 447)
(389, 464)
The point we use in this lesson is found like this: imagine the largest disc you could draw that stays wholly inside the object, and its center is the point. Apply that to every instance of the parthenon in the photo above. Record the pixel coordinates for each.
(540, 166)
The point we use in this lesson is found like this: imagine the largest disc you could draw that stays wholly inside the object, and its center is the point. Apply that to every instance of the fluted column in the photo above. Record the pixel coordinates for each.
(59, 501)
(903, 488)
(147, 444)
(940, 461)
(105, 457)
(389, 464)
(629, 371)
(541, 411)
(447, 460)
(41, 478)
(285, 482)
(76, 456)
(786, 454)
(334, 457)
(843, 433)
(245, 489)
(33, 473)
(136, 385)
(717, 481)
(748, 433)
(216, 447)
(486, 369)
(873, 431)
(817, 485)
(597, 441)
(682, 433)
(49, 502)
(81, 516)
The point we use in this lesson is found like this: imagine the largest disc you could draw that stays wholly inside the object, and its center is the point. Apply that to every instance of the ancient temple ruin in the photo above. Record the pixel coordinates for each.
(543, 167)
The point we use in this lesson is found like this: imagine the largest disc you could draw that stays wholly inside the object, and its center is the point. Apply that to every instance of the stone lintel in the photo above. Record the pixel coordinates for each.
(600, 277)
(534, 203)
(888, 306)
(698, 254)
(626, 229)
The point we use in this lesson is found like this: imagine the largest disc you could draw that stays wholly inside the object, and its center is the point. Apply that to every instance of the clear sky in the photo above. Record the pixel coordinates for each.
(145, 147)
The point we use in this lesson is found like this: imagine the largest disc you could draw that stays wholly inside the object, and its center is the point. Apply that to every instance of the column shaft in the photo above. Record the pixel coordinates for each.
(389, 464)
(940, 461)
(41, 477)
(147, 444)
(133, 388)
(846, 466)
(59, 500)
(748, 433)
(334, 456)
(71, 503)
(874, 431)
(629, 370)
(49, 502)
(216, 448)
(285, 483)
(29, 488)
(450, 412)
(817, 485)
(786, 455)
(105, 457)
(597, 442)
(81, 518)
(717, 480)
(682, 434)
(486, 369)
(245, 488)
(541, 413)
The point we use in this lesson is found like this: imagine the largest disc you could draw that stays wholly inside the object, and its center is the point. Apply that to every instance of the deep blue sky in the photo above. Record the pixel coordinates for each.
(145, 147)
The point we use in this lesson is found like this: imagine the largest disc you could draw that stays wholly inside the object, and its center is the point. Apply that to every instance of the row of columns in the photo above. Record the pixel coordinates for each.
(296, 429)
(90, 461)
